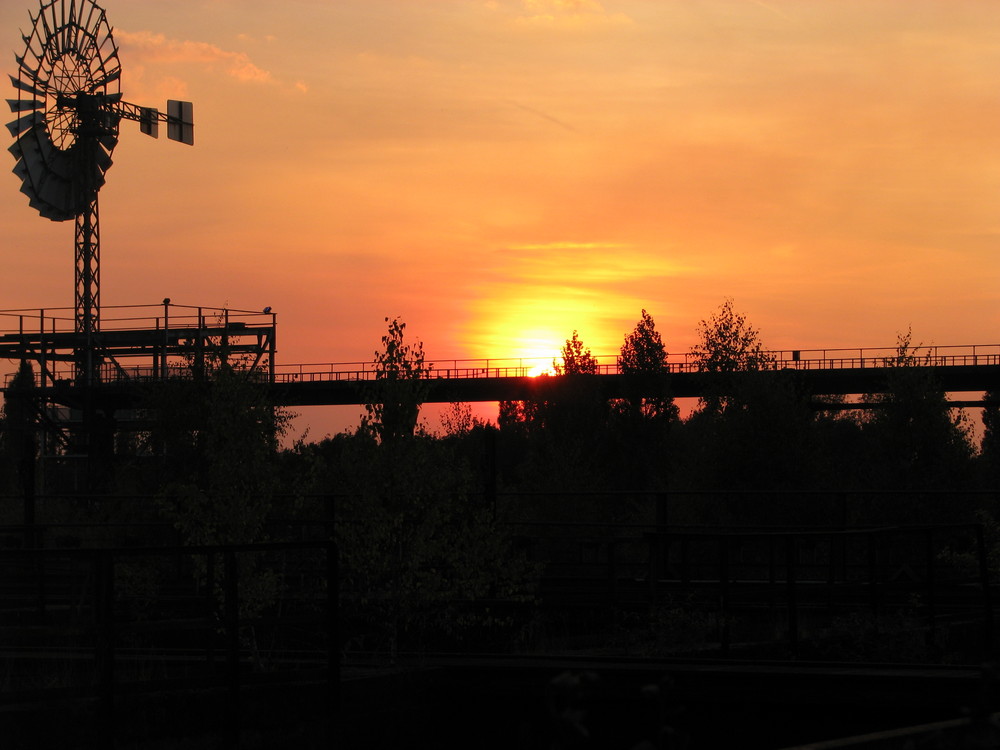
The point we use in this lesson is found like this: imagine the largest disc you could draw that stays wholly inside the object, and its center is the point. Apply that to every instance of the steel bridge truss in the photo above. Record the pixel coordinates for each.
(90, 380)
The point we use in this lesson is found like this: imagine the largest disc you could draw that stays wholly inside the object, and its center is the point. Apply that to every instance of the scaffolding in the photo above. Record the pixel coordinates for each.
(89, 385)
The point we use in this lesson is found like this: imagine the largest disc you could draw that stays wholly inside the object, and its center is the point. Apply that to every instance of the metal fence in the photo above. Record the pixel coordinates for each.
(85, 624)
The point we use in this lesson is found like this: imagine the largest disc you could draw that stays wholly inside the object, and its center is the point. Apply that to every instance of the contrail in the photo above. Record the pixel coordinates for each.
(544, 116)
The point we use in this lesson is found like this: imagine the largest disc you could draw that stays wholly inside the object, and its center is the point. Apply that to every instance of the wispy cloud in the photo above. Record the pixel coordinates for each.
(568, 13)
(584, 266)
(568, 246)
(773, 9)
(150, 47)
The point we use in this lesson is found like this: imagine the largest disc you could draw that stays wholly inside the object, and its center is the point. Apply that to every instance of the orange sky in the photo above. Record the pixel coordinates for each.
(501, 173)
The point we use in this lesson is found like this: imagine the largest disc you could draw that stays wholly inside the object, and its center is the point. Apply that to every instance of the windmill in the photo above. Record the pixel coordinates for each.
(69, 106)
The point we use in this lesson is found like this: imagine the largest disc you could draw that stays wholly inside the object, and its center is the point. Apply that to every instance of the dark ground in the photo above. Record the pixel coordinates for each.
(545, 702)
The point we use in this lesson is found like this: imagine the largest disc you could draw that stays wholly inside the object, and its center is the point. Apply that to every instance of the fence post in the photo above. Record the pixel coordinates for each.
(831, 571)
(685, 570)
(104, 610)
(929, 580)
(612, 572)
(793, 609)
(772, 575)
(490, 470)
(333, 636)
(984, 580)
(210, 600)
(655, 541)
(662, 511)
(873, 592)
(724, 594)
(232, 621)
(843, 538)
(330, 508)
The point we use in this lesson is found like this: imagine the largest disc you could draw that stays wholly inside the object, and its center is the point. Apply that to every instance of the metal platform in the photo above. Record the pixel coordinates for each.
(138, 343)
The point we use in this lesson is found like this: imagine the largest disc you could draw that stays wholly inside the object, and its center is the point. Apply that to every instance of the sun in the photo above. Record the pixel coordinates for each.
(541, 369)
(538, 351)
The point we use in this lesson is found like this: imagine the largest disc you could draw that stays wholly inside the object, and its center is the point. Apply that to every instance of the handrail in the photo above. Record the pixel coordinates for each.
(805, 359)
(965, 355)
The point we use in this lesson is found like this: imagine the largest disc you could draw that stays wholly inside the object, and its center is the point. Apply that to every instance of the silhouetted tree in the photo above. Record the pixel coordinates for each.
(990, 448)
(643, 350)
(914, 439)
(751, 431)
(641, 422)
(527, 415)
(763, 442)
(218, 437)
(576, 358)
(728, 348)
(421, 554)
(727, 343)
(400, 385)
(643, 359)
(560, 438)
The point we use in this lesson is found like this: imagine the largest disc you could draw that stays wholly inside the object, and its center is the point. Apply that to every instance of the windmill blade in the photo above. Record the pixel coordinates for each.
(31, 160)
(24, 105)
(25, 123)
(102, 161)
(104, 80)
(54, 199)
(86, 25)
(19, 84)
(39, 158)
(34, 74)
(21, 170)
(23, 65)
(24, 145)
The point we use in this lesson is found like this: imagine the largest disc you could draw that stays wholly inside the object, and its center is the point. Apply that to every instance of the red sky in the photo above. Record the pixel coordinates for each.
(501, 173)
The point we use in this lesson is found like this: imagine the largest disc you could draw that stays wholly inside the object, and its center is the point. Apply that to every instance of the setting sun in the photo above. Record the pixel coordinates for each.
(541, 369)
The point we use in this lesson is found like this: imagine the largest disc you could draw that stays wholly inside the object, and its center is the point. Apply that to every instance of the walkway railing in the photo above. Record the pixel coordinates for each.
(804, 359)
(968, 355)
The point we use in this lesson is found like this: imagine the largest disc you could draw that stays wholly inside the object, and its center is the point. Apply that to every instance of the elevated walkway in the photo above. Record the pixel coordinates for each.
(143, 344)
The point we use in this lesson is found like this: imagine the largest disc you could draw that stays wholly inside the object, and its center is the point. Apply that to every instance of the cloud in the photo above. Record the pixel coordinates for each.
(567, 246)
(150, 47)
(572, 13)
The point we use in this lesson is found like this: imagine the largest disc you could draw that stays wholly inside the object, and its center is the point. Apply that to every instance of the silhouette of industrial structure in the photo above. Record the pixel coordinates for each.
(92, 364)
(137, 346)
(89, 385)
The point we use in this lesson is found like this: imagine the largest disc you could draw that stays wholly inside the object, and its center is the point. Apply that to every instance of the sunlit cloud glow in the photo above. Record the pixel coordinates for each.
(148, 47)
